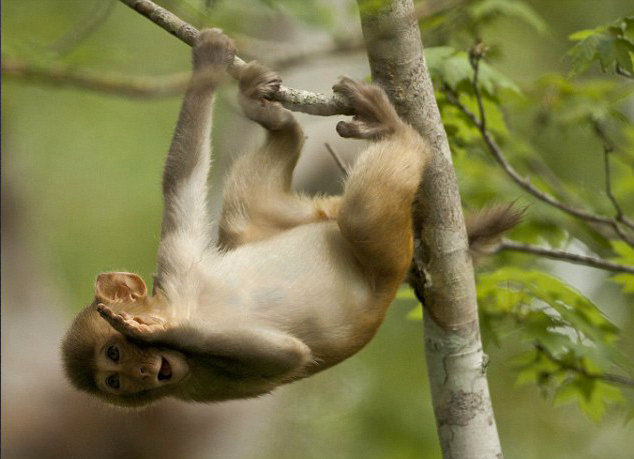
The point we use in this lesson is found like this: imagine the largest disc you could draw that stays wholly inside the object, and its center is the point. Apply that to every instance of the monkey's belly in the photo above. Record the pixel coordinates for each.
(308, 282)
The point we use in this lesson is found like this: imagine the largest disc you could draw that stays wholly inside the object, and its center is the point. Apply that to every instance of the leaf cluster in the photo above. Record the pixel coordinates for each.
(571, 344)
(612, 45)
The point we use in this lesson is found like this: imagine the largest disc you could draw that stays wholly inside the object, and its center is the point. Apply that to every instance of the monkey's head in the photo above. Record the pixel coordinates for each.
(114, 367)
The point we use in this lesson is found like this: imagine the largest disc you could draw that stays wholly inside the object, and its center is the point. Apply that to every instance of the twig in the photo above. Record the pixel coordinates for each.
(337, 158)
(607, 377)
(565, 256)
(111, 84)
(98, 14)
(608, 148)
(524, 182)
(476, 53)
(293, 99)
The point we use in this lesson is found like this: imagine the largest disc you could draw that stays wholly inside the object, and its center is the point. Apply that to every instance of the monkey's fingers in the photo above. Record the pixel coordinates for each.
(122, 322)
(361, 130)
(150, 324)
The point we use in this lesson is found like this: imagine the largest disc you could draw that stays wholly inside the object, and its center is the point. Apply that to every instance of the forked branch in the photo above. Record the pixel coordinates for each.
(480, 123)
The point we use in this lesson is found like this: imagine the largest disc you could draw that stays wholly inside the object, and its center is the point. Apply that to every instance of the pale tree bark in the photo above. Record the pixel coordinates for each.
(443, 278)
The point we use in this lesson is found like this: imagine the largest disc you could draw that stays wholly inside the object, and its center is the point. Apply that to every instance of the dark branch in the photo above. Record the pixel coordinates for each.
(608, 148)
(554, 254)
(110, 84)
(500, 157)
(337, 158)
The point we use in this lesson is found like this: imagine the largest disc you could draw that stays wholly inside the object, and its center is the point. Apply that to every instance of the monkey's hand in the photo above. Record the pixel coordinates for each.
(374, 118)
(213, 50)
(138, 326)
(258, 84)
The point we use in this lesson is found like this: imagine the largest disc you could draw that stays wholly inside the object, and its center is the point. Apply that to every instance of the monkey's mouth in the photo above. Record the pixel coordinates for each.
(165, 373)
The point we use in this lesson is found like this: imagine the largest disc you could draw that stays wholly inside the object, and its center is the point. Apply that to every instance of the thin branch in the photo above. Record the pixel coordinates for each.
(135, 86)
(524, 182)
(608, 148)
(293, 99)
(337, 158)
(607, 377)
(111, 84)
(476, 53)
(555, 254)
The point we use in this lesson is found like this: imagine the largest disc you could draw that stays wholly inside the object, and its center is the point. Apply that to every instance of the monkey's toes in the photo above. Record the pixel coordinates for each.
(361, 130)
(345, 129)
(347, 87)
(214, 48)
(258, 82)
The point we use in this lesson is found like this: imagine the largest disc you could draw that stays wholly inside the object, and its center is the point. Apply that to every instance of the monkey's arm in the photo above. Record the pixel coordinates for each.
(237, 352)
(185, 231)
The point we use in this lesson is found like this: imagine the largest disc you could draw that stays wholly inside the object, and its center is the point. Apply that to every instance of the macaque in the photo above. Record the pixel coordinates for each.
(292, 284)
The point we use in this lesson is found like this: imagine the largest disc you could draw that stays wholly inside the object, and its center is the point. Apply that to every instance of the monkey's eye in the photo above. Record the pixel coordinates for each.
(113, 353)
(113, 381)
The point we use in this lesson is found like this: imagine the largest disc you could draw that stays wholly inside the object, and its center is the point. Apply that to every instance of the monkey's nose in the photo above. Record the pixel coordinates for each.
(139, 372)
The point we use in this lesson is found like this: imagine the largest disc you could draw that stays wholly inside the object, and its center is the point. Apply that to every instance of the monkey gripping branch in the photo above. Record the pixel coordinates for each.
(443, 277)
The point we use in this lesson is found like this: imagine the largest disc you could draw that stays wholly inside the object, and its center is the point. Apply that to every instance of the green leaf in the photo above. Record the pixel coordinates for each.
(611, 44)
(573, 341)
(452, 67)
(488, 9)
(624, 251)
(625, 255)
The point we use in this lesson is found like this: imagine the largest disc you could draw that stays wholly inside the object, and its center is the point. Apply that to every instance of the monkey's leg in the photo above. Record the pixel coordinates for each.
(375, 213)
(258, 201)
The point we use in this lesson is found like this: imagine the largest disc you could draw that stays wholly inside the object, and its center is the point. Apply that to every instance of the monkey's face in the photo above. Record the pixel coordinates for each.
(125, 368)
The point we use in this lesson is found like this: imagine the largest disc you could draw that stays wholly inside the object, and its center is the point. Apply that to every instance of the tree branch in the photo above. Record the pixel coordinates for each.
(337, 158)
(565, 256)
(293, 99)
(524, 182)
(608, 148)
(110, 84)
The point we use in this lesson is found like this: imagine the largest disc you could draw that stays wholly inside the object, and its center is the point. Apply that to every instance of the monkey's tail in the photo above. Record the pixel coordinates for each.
(486, 227)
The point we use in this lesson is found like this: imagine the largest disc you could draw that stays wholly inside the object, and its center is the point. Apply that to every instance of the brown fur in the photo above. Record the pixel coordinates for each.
(486, 227)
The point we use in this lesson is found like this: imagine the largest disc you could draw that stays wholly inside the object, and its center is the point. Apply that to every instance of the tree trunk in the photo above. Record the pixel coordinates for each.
(445, 281)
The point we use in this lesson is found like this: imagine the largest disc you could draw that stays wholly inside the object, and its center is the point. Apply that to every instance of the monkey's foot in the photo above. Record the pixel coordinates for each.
(258, 85)
(374, 115)
(258, 82)
(213, 49)
(140, 326)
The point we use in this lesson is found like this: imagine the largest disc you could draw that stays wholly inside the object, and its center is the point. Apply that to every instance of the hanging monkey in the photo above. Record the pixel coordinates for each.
(293, 284)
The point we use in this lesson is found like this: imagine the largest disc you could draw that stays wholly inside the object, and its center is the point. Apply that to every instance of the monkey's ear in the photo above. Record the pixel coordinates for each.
(111, 287)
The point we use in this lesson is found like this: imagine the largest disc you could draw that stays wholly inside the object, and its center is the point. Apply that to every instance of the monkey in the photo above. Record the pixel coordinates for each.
(291, 284)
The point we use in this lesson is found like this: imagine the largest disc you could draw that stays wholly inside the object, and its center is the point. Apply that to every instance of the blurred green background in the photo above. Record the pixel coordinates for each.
(81, 195)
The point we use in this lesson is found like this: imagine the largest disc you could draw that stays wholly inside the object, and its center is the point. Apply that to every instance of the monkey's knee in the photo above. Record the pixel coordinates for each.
(258, 85)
